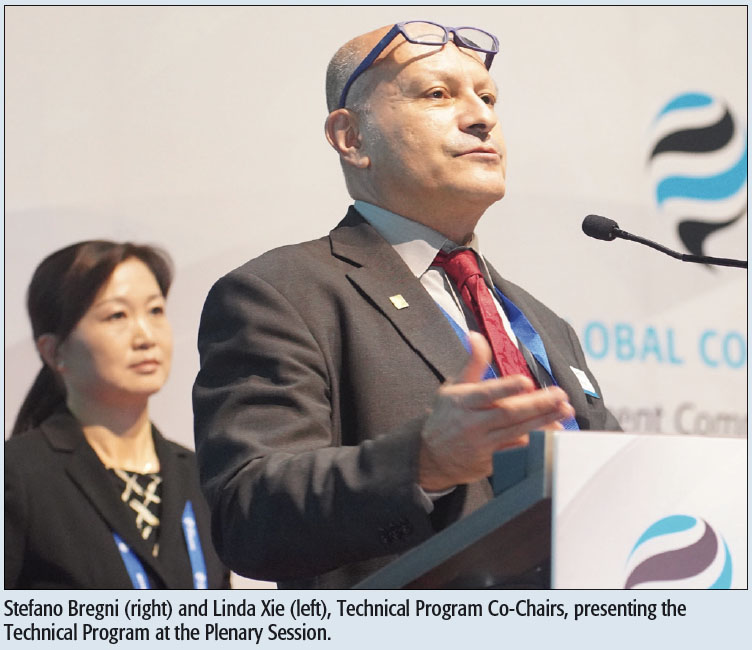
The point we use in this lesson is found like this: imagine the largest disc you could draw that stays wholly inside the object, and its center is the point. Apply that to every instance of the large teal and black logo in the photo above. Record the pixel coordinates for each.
(699, 167)
(680, 551)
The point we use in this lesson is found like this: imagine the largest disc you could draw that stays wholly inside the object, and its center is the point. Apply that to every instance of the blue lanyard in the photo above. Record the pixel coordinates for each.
(530, 338)
(193, 542)
(136, 570)
(525, 332)
(132, 564)
(490, 372)
(527, 335)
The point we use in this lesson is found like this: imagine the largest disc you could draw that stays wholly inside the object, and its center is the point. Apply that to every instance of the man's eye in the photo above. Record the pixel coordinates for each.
(489, 99)
(437, 94)
(157, 311)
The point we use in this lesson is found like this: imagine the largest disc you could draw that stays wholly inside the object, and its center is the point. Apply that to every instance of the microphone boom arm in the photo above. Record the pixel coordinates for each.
(700, 259)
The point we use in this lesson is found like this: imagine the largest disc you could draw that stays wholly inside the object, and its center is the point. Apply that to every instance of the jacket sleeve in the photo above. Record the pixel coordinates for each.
(288, 498)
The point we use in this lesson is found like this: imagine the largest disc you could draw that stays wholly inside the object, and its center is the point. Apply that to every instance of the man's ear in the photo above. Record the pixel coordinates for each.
(48, 346)
(343, 133)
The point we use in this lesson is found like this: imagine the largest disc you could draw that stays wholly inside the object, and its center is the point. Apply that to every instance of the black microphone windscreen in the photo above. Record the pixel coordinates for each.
(600, 227)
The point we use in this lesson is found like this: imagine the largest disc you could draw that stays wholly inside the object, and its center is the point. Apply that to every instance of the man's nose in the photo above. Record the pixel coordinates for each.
(478, 117)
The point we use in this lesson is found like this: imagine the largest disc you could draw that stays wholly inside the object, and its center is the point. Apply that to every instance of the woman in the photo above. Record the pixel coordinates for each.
(95, 497)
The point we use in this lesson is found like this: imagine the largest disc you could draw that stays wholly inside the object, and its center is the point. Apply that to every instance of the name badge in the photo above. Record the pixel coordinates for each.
(585, 382)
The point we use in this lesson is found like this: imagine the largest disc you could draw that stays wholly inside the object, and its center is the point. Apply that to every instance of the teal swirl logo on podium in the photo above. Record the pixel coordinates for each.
(679, 551)
(698, 165)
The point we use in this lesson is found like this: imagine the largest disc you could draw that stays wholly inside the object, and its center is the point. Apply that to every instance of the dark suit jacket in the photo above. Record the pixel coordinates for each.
(310, 400)
(61, 508)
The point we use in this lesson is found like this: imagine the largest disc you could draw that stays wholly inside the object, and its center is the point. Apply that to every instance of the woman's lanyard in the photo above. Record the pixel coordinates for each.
(136, 570)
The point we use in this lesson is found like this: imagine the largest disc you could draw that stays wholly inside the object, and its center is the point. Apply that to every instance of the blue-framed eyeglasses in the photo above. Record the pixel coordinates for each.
(423, 32)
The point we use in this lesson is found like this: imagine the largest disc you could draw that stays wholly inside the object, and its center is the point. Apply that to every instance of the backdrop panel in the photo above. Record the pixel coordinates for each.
(200, 129)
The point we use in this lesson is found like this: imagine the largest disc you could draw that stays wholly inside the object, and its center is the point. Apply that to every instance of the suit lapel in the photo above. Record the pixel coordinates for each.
(566, 379)
(379, 273)
(173, 557)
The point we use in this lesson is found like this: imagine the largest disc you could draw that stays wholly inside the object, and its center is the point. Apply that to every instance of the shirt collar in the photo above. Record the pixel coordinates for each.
(414, 242)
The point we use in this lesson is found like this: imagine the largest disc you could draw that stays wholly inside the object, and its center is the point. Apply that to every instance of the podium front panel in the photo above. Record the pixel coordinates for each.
(649, 511)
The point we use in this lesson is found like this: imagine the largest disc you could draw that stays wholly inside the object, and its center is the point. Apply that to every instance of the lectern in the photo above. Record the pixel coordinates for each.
(595, 510)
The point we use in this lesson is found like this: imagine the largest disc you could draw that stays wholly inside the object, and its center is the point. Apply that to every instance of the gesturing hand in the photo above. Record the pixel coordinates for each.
(471, 419)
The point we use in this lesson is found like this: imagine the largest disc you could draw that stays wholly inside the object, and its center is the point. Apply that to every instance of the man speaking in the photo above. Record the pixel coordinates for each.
(353, 389)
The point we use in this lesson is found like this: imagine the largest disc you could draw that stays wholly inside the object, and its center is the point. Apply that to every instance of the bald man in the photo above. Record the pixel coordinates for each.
(351, 395)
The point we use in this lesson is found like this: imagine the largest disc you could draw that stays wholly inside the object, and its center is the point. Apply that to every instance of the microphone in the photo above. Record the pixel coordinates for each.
(607, 230)
(600, 227)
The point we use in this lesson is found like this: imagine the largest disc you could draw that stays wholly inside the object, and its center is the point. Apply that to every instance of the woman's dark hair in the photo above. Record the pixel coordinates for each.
(62, 289)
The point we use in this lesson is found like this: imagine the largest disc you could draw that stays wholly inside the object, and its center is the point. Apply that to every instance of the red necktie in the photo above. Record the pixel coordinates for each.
(462, 268)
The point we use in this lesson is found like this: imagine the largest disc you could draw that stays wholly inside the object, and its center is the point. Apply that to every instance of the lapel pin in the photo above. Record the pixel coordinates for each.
(398, 301)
